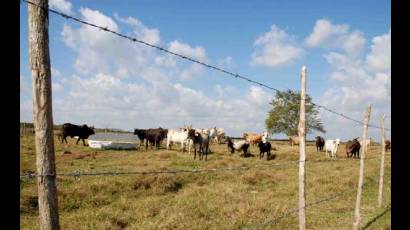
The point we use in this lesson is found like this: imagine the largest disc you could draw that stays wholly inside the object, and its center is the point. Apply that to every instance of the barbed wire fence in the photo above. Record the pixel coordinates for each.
(228, 73)
(78, 173)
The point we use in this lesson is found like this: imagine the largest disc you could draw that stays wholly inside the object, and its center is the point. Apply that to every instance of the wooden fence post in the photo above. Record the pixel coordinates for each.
(379, 199)
(356, 222)
(39, 57)
(302, 152)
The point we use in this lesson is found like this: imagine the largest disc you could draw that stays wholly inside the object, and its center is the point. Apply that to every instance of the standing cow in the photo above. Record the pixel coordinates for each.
(320, 142)
(331, 147)
(353, 148)
(83, 132)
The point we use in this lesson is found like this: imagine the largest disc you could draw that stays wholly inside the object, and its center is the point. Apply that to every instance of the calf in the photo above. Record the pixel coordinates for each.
(200, 142)
(353, 148)
(264, 147)
(320, 142)
(331, 146)
(83, 132)
(238, 146)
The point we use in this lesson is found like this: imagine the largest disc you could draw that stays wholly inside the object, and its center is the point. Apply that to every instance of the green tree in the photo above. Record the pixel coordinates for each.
(284, 116)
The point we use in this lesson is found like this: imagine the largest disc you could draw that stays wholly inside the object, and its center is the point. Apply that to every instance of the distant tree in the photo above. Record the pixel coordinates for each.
(284, 116)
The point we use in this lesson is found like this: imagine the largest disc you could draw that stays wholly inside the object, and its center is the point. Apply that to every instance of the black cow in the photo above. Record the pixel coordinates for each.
(151, 136)
(353, 147)
(264, 147)
(83, 132)
(200, 142)
(142, 134)
(320, 142)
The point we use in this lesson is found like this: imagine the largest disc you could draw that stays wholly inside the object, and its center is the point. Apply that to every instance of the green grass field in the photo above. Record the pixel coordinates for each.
(210, 200)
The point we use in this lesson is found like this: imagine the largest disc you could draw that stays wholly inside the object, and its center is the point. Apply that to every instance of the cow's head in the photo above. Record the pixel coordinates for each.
(337, 141)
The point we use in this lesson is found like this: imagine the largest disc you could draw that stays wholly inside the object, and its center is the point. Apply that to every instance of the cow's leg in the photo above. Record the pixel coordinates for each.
(83, 142)
(77, 140)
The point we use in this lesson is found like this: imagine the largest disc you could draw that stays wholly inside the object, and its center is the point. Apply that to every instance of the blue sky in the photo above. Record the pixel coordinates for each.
(106, 81)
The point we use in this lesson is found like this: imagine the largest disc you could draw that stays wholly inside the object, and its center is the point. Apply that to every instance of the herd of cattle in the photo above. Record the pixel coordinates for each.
(200, 140)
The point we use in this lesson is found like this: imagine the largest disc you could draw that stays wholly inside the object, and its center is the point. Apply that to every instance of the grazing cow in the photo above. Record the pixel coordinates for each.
(238, 146)
(252, 138)
(387, 145)
(320, 142)
(200, 142)
(294, 140)
(179, 136)
(331, 146)
(83, 132)
(264, 147)
(353, 148)
(366, 143)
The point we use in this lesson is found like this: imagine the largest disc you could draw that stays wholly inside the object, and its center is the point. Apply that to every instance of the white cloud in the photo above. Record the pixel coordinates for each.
(142, 32)
(61, 5)
(380, 57)
(355, 86)
(275, 48)
(135, 86)
(327, 35)
(325, 32)
(131, 105)
(185, 49)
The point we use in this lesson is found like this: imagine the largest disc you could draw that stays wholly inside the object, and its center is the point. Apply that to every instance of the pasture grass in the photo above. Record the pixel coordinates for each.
(222, 200)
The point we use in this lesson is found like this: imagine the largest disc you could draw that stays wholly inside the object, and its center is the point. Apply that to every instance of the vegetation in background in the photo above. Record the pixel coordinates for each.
(284, 116)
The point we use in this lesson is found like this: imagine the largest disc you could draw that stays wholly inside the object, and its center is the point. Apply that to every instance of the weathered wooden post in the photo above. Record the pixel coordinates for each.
(42, 114)
(379, 200)
(356, 222)
(302, 152)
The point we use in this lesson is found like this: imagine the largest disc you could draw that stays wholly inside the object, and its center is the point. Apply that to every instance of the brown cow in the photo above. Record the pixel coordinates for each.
(387, 145)
(353, 148)
(252, 138)
(294, 140)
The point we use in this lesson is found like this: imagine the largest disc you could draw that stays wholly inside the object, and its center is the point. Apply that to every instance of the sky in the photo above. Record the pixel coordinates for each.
(103, 80)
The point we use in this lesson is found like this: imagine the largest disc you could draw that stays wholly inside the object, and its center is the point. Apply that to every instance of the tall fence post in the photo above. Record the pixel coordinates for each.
(379, 199)
(42, 114)
(356, 222)
(302, 152)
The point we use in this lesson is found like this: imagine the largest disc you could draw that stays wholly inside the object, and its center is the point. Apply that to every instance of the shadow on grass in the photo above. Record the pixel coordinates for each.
(376, 218)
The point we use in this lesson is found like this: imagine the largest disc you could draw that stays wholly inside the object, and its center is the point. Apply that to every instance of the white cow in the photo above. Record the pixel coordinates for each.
(331, 146)
(265, 137)
(179, 136)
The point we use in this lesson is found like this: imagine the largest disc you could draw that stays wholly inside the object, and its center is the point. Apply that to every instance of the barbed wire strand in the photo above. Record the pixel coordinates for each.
(77, 173)
(235, 75)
